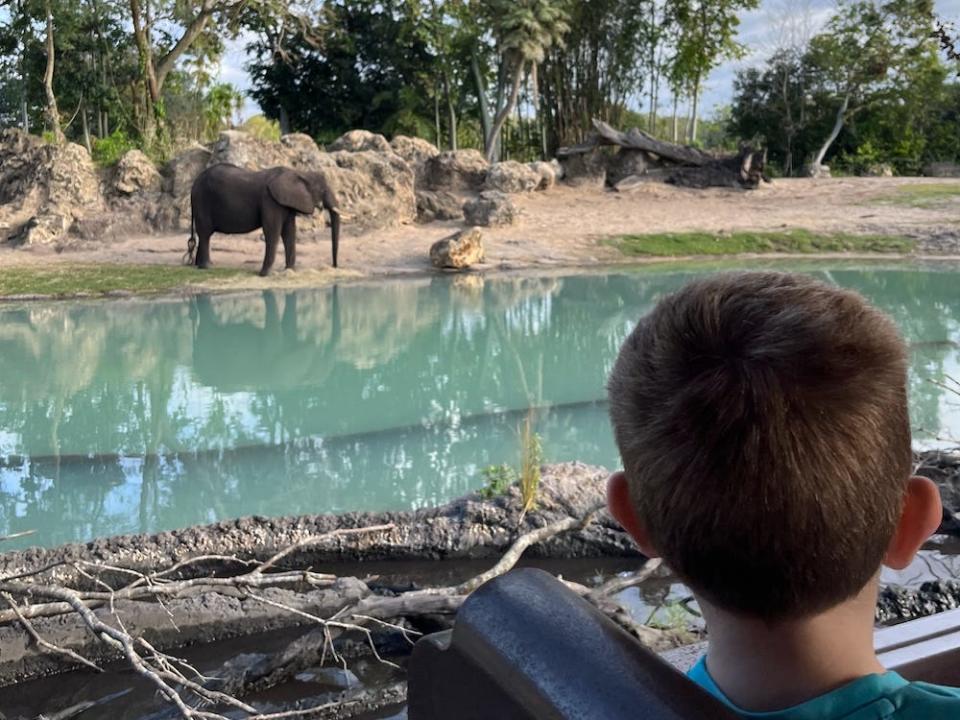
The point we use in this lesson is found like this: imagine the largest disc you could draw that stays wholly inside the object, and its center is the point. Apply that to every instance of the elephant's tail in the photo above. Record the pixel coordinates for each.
(192, 242)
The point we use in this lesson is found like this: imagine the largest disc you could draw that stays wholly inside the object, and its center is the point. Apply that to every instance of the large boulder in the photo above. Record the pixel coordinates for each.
(490, 209)
(247, 151)
(416, 152)
(376, 189)
(135, 173)
(459, 251)
(456, 170)
(941, 169)
(44, 188)
(511, 177)
(438, 205)
(360, 141)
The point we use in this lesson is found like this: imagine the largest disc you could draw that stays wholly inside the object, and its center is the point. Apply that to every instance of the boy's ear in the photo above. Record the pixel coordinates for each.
(621, 507)
(920, 516)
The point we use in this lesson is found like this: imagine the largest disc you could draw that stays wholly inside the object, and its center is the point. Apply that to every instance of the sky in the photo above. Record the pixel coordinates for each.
(760, 31)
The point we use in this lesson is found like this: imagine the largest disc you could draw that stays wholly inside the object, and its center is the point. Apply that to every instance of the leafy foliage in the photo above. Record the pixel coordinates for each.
(497, 480)
(108, 150)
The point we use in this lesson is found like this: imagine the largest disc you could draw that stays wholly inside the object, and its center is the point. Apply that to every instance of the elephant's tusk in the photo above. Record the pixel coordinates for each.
(341, 213)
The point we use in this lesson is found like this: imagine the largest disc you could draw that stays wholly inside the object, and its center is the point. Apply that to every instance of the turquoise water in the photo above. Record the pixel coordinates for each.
(138, 416)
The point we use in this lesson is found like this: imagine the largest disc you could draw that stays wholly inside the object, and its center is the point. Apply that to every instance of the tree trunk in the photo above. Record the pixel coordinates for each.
(86, 128)
(837, 127)
(676, 127)
(436, 117)
(502, 116)
(451, 110)
(53, 113)
(695, 110)
(481, 98)
(284, 121)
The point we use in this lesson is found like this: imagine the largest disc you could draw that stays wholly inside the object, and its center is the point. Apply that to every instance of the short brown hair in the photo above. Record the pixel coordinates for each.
(763, 426)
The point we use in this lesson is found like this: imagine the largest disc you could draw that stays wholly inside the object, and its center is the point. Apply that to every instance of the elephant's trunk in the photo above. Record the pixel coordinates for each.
(335, 232)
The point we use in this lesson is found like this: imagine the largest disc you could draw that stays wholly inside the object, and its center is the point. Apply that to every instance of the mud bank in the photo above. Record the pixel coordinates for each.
(470, 528)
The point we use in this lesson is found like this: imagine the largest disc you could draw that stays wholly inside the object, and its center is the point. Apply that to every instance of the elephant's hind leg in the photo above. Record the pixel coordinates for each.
(202, 259)
(289, 235)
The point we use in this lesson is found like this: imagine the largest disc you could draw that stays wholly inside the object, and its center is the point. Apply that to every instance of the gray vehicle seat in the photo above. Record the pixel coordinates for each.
(524, 646)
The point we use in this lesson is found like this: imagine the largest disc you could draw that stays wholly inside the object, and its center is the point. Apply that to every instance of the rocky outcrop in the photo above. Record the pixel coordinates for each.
(511, 177)
(135, 173)
(376, 189)
(459, 251)
(438, 205)
(360, 141)
(416, 152)
(44, 188)
(456, 171)
(492, 208)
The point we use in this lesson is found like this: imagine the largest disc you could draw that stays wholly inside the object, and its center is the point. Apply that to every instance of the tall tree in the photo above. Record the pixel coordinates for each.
(53, 112)
(707, 36)
(525, 30)
(865, 51)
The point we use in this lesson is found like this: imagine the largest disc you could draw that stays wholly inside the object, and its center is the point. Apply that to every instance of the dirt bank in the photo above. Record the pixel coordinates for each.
(565, 227)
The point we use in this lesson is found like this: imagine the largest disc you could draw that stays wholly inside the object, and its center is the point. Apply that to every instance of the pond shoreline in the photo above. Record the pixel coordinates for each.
(315, 279)
(468, 529)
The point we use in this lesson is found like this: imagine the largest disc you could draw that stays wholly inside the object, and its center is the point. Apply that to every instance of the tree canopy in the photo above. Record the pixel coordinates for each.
(513, 78)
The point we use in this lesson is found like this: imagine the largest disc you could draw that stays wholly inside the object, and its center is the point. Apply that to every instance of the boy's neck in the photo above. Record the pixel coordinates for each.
(762, 667)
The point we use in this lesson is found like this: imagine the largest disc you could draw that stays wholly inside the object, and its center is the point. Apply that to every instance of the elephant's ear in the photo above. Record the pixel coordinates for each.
(290, 190)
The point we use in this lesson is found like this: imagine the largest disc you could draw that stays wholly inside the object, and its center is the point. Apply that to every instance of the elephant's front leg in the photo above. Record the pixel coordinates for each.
(289, 234)
(272, 237)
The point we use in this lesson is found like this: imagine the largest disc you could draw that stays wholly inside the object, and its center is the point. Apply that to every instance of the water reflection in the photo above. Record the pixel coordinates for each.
(139, 416)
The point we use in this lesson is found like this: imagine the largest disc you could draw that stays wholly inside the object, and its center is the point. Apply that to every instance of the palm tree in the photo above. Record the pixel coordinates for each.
(525, 30)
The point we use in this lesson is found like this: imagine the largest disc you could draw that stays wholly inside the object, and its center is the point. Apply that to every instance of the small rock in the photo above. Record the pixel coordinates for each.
(511, 177)
(41, 230)
(331, 677)
(438, 205)
(878, 170)
(136, 173)
(463, 170)
(358, 141)
(817, 171)
(459, 251)
(547, 171)
(490, 209)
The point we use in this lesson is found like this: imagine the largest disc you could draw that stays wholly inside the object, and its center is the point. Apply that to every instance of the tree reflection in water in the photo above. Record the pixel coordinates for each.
(141, 416)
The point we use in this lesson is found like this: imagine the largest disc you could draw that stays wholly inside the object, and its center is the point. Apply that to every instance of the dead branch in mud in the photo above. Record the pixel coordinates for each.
(194, 696)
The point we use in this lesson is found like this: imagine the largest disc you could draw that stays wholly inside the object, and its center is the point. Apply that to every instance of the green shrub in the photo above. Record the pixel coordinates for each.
(497, 479)
(262, 128)
(108, 150)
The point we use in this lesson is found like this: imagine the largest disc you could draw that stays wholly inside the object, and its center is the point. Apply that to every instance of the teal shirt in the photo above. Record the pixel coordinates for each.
(874, 697)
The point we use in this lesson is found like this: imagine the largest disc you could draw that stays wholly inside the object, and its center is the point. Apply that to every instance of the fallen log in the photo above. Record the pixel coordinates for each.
(640, 157)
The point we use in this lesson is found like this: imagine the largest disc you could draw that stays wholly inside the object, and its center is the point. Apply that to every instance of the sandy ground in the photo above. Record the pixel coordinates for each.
(563, 228)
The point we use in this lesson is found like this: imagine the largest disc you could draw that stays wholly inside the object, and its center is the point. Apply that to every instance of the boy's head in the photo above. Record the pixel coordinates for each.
(762, 422)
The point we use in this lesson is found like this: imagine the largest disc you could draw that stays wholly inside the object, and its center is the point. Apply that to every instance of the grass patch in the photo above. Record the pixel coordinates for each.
(923, 196)
(790, 241)
(73, 280)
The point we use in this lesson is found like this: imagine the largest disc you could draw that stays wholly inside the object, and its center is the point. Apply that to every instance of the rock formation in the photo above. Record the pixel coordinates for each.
(491, 208)
(459, 251)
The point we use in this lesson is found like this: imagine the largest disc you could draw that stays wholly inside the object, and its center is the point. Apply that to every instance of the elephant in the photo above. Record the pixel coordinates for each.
(230, 199)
